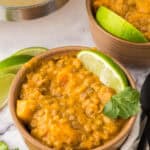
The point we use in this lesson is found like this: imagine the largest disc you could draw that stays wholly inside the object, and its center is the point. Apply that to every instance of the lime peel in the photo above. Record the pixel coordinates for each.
(14, 60)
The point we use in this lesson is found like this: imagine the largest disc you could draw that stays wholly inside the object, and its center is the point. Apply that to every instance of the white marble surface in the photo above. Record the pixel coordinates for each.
(67, 26)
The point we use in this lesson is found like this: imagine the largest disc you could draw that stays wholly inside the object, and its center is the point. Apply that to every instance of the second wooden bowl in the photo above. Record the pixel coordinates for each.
(126, 52)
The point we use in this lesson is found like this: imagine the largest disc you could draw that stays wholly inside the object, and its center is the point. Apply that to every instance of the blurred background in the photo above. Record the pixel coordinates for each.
(66, 26)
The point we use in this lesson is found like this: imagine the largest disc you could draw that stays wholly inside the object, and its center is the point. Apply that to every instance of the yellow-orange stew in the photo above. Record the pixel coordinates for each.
(61, 102)
(137, 12)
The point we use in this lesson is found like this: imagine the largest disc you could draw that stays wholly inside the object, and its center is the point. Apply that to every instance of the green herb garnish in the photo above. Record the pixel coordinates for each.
(124, 104)
(3, 146)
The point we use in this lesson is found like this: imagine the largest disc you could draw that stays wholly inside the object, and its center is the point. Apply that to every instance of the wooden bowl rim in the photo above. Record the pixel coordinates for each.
(92, 19)
(15, 85)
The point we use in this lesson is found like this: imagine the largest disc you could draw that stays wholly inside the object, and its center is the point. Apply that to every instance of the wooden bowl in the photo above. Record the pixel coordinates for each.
(125, 51)
(33, 143)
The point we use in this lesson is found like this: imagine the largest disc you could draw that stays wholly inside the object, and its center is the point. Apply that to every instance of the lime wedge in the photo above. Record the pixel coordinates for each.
(118, 26)
(31, 51)
(5, 82)
(14, 60)
(105, 68)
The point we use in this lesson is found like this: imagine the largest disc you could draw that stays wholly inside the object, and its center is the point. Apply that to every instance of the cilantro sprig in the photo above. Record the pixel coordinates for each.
(123, 105)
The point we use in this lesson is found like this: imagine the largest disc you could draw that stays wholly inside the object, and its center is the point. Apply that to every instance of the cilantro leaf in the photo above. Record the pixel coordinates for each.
(124, 104)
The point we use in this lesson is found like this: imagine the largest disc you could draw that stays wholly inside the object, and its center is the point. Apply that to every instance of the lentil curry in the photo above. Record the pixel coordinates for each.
(61, 102)
(137, 12)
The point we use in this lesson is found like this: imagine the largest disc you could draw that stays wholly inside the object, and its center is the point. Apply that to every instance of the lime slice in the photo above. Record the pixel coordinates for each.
(14, 60)
(31, 51)
(105, 68)
(118, 26)
(5, 82)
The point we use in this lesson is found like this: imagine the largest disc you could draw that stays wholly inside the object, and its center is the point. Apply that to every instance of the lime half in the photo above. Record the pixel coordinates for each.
(5, 82)
(31, 51)
(105, 68)
(118, 26)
